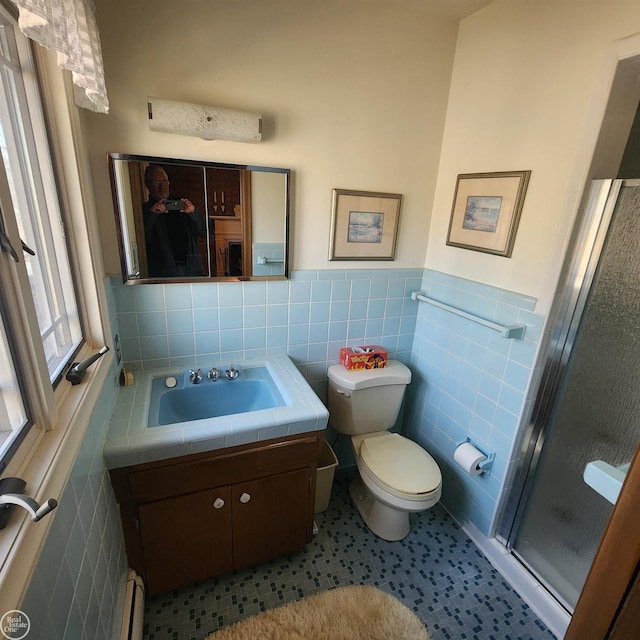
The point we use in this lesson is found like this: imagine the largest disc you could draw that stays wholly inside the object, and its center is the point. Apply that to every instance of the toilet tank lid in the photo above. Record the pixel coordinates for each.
(394, 373)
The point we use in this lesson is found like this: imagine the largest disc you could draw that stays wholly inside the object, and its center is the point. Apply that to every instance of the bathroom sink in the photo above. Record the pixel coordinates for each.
(152, 421)
(253, 390)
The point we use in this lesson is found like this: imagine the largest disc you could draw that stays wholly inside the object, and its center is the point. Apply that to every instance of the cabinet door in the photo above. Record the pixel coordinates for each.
(186, 538)
(272, 516)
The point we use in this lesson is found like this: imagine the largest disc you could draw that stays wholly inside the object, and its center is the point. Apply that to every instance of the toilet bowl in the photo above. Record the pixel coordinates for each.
(396, 475)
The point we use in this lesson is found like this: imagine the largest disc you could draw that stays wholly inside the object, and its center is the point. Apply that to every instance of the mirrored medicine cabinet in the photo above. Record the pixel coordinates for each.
(192, 221)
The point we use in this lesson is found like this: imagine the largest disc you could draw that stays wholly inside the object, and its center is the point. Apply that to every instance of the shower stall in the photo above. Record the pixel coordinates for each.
(588, 402)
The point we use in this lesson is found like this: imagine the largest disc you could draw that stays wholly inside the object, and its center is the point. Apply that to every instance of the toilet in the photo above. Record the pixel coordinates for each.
(396, 475)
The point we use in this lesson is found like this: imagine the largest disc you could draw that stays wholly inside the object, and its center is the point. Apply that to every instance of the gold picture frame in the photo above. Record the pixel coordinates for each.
(486, 211)
(364, 225)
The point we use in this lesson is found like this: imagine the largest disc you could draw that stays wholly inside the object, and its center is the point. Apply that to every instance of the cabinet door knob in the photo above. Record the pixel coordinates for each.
(244, 498)
(218, 503)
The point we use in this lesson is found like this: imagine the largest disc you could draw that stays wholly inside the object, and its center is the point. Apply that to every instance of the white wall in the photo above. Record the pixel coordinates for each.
(527, 77)
(353, 95)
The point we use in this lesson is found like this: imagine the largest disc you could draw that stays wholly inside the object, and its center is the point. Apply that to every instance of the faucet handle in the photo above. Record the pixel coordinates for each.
(195, 377)
(214, 374)
(231, 373)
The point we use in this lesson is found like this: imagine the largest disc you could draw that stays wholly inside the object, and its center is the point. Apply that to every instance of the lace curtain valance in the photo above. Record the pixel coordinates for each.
(69, 28)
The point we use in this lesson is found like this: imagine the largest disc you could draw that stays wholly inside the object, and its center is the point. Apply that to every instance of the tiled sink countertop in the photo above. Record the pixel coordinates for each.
(130, 441)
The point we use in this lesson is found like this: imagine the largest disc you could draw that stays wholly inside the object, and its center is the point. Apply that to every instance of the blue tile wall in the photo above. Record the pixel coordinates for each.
(75, 589)
(308, 317)
(469, 381)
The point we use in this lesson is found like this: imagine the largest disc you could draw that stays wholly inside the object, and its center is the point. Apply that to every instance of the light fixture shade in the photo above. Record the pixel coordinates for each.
(210, 123)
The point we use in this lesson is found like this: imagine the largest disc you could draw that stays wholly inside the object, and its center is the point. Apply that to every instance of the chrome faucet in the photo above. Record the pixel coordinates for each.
(195, 377)
(231, 373)
(36, 511)
(214, 374)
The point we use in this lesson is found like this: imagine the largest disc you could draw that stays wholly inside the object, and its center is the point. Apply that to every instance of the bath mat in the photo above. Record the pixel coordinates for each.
(345, 613)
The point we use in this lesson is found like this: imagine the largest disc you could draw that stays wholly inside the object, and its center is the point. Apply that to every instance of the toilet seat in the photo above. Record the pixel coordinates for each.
(400, 466)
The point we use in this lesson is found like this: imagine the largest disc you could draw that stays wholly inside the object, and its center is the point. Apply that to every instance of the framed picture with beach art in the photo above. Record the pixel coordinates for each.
(486, 211)
(364, 225)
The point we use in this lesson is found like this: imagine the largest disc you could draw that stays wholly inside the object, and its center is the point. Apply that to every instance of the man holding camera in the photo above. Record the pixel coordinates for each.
(171, 227)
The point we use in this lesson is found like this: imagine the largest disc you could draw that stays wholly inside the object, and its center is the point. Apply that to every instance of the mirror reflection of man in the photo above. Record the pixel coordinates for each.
(171, 235)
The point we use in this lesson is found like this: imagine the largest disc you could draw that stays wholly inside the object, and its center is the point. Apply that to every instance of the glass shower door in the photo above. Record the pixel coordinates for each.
(592, 409)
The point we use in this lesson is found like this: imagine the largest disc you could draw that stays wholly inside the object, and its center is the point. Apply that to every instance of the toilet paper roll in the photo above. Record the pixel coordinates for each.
(468, 457)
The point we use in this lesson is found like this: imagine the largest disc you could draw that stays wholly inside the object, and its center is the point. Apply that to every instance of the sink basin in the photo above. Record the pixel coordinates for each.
(151, 421)
(253, 390)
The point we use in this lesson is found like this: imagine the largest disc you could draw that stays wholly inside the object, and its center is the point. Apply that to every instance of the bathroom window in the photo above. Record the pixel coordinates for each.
(13, 414)
(40, 330)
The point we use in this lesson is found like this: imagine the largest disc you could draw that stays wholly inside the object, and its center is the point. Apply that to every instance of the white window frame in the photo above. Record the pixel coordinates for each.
(46, 455)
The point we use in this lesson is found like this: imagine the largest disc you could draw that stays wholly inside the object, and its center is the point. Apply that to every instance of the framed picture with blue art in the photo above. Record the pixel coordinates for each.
(364, 225)
(486, 211)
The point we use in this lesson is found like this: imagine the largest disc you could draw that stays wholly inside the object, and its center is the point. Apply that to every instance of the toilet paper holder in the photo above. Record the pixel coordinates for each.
(485, 465)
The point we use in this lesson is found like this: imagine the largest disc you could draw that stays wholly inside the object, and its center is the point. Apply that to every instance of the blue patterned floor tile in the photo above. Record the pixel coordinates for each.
(436, 571)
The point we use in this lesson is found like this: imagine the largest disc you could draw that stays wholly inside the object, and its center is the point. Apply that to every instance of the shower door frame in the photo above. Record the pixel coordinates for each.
(574, 287)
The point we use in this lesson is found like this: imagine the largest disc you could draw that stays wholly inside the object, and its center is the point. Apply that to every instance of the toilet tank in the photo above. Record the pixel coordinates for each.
(368, 400)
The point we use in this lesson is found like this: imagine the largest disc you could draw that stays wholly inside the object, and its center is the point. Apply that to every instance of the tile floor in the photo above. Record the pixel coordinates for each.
(436, 571)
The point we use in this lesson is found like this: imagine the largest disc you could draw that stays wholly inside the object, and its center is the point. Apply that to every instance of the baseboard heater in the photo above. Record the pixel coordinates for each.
(133, 613)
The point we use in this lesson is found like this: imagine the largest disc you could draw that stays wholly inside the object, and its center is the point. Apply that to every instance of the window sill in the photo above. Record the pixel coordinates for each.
(45, 468)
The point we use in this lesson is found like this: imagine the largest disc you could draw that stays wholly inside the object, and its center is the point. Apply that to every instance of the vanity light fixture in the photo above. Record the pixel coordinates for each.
(210, 123)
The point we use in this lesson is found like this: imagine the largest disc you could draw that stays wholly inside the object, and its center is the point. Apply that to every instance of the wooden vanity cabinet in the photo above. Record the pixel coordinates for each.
(201, 515)
(185, 539)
